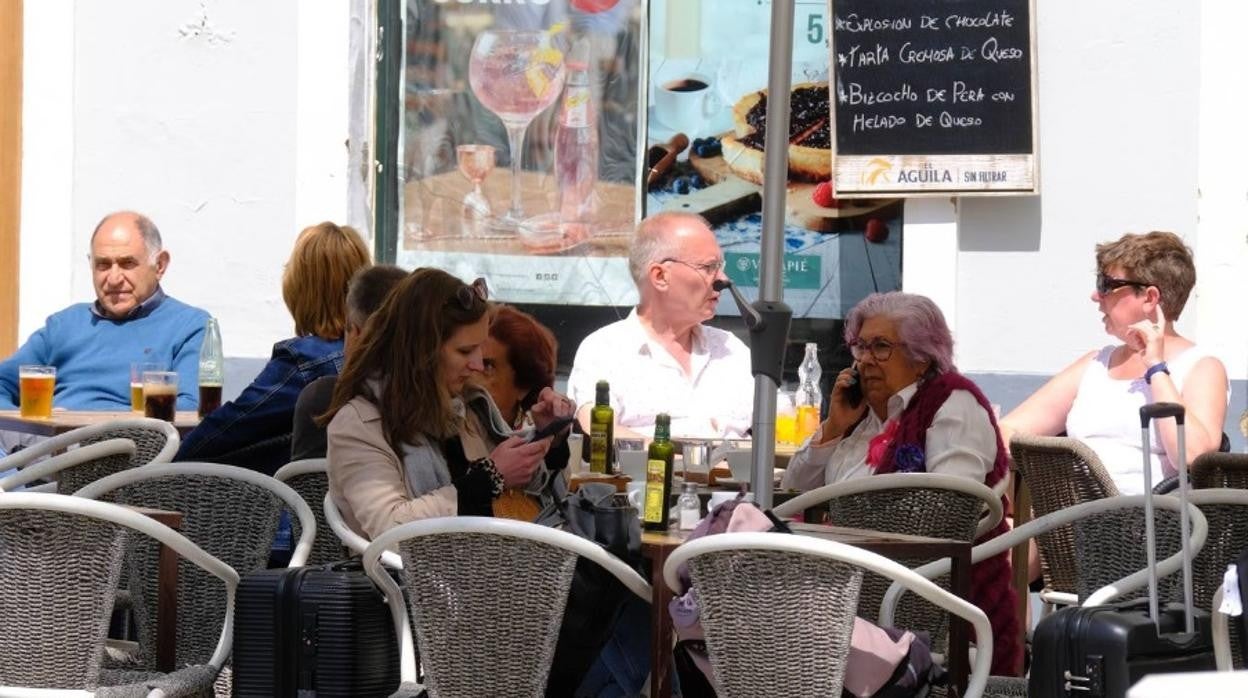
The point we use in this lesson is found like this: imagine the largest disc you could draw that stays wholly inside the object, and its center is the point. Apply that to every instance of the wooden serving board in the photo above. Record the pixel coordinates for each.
(728, 196)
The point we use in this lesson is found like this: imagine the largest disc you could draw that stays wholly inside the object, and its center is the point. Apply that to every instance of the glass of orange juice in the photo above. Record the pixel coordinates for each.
(786, 417)
(36, 385)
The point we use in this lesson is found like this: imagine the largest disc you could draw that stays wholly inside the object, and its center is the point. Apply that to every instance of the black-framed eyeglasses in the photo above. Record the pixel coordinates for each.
(477, 290)
(880, 349)
(1106, 283)
(708, 269)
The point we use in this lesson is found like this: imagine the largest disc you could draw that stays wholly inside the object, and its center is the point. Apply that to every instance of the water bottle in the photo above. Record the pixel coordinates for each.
(211, 369)
(690, 507)
(576, 148)
(808, 397)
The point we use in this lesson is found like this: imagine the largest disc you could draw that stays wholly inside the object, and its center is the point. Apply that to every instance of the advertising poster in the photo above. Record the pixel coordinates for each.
(590, 94)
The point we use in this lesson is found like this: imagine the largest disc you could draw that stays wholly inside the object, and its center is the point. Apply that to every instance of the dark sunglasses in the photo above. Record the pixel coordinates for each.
(468, 293)
(1105, 283)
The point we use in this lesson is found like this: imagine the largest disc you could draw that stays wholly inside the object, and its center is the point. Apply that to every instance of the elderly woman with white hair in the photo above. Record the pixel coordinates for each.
(916, 414)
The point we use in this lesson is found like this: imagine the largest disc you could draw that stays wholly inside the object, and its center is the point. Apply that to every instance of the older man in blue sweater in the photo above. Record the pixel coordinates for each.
(92, 344)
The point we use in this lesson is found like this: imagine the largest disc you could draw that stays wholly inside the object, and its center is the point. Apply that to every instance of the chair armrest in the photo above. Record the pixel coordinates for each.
(48, 468)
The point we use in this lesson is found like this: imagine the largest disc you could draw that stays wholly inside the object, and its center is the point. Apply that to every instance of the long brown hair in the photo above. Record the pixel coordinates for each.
(401, 350)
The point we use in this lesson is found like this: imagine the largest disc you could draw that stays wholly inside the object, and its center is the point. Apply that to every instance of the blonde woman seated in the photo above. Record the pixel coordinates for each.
(1142, 285)
(917, 414)
(411, 438)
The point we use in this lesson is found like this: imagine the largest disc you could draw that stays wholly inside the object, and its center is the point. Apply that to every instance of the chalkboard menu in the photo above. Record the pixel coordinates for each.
(934, 96)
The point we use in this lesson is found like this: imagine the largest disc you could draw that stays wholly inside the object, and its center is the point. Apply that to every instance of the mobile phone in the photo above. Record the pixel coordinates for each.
(551, 429)
(853, 393)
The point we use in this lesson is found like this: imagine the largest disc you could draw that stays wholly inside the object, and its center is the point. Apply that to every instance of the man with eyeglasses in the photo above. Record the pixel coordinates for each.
(661, 358)
(93, 344)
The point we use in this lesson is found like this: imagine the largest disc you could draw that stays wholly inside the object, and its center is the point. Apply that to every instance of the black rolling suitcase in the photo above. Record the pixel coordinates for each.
(313, 631)
(1101, 651)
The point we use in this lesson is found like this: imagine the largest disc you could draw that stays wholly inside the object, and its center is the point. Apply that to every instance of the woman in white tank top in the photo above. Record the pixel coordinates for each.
(1142, 284)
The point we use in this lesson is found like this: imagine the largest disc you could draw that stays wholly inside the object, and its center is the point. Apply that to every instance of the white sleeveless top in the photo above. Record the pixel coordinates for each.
(1106, 416)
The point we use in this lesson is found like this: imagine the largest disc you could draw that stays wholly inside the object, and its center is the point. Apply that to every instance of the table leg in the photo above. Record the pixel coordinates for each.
(167, 610)
(1019, 558)
(660, 628)
(959, 629)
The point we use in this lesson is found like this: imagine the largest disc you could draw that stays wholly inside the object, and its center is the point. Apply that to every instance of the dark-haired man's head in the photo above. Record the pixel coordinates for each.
(365, 294)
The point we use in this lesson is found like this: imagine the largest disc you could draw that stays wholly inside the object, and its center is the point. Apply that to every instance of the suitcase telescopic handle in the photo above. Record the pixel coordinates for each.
(1161, 410)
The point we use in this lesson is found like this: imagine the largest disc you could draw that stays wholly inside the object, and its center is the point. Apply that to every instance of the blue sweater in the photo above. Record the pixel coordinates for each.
(254, 429)
(92, 355)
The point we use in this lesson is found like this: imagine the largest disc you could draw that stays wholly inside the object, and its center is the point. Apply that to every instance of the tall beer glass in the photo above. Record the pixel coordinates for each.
(36, 385)
(160, 394)
(137, 369)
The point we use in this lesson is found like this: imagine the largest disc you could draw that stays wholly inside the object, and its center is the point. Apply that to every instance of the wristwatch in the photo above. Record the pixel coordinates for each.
(1159, 367)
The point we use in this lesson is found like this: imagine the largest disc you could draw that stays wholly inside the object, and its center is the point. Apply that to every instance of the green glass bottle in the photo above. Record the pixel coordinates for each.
(601, 430)
(658, 495)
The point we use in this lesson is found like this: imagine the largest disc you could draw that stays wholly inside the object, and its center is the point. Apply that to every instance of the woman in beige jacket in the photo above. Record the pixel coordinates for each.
(410, 439)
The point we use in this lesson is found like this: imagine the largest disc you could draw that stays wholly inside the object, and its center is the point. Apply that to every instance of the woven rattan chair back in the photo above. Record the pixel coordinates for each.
(1220, 470)
(931, 512)
(1111, 545)
(58, 572)
(312, 487)
(151, 439)
(1228, 539)
(1060, 472)
(487, 611)
(777, 623)
(231, 520)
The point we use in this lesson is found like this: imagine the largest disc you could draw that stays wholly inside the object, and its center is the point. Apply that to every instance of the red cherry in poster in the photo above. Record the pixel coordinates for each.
(594, 5)
(876, 230)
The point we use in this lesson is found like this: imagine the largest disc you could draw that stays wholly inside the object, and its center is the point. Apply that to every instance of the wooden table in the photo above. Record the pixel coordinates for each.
(167, 592)
(656, 547)
(62, 421)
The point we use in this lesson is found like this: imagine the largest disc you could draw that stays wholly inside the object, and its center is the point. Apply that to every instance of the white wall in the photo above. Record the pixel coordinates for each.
(223, 120)
(1140, 107)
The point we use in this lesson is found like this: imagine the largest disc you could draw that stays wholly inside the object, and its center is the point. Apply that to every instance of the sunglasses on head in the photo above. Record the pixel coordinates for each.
(1106, 283)
(469, 293)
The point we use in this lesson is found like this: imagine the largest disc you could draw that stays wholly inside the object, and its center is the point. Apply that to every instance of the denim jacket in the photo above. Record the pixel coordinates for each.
(254, 429)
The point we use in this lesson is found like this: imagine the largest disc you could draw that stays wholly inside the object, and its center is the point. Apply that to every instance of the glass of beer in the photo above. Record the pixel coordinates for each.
(160, 394)
(36, 384)
(137, 369)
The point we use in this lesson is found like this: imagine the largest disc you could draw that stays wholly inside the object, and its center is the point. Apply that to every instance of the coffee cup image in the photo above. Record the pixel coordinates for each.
(685, 103)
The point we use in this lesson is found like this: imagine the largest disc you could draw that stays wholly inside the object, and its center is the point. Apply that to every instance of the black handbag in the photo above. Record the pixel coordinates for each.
(594, 512)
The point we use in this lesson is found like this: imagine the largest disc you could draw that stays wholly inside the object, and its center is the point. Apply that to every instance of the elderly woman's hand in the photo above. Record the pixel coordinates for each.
(549, 407)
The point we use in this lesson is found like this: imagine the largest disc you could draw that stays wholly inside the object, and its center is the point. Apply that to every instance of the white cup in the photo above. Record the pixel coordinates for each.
(633, 464)
(685, 103)
(722, 496)
(740, 462)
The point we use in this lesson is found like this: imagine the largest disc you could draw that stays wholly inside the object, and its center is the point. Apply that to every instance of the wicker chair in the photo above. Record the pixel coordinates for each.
(60, 558)
(310, 479)
(1227, 513)
(113, 455)
(1225, 470)
(759, 592)
(1060, 472)
(155, 441)
(487, 597)
(230, 512)
(920, 504)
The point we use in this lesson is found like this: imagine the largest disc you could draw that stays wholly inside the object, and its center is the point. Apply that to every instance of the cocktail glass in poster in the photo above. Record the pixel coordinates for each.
(707, 79)
(519, 145)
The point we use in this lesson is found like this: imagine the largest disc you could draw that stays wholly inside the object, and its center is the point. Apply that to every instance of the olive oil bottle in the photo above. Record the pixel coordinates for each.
(601, 430)
(655, 505)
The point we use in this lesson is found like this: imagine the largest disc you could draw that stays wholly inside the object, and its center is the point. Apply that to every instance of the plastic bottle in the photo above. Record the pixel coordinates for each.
(601, 430)
(808, 397)
(576, 148)
(655, 515)
(690, 507)
(211, 369)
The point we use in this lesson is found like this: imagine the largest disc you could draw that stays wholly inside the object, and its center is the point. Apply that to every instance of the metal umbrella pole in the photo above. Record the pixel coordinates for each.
(768, 318)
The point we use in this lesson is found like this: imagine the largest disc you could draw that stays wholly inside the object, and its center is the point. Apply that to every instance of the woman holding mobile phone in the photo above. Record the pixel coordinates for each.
(411, 437)
(903, 407)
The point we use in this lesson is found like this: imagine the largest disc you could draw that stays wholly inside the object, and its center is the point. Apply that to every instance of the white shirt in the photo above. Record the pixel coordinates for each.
(1105, 415)
(715, 400)
(960, 441)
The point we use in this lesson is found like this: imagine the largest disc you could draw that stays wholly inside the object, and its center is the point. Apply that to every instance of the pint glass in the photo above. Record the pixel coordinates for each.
(137, 369)
(160, 394)
(36, 384)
